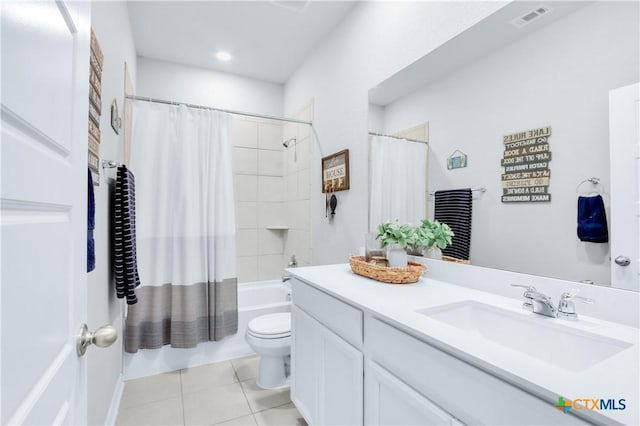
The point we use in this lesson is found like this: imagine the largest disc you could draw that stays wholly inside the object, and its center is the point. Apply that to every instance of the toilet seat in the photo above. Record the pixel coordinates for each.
(271, 326)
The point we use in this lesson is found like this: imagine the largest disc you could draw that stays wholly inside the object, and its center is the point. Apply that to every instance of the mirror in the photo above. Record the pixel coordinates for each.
(524, 67)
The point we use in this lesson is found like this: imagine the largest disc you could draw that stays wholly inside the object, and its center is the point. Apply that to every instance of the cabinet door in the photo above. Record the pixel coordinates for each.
(305, 348)
(390, 401)
(341, 384)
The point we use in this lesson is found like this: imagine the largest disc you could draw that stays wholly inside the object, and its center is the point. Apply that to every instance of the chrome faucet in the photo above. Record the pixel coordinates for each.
(293, 263)
(541, 304)
(537, 302)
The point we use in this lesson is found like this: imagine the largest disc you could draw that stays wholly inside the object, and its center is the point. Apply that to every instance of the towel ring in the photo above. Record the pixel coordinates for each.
(594, 181)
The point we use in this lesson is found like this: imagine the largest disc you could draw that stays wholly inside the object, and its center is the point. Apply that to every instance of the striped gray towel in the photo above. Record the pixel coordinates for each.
(453, 207)
(124, 233)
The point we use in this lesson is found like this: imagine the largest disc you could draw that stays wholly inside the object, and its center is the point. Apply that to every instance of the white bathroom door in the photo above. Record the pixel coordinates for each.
(624, 140)
(43, 210)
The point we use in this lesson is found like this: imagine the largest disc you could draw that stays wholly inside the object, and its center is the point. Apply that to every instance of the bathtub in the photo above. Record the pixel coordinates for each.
(254, 299)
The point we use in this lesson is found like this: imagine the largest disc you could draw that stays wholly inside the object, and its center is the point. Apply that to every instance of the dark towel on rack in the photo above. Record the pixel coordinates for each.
(124, 233)
(453, 207)
(91, 225)
(592, 220)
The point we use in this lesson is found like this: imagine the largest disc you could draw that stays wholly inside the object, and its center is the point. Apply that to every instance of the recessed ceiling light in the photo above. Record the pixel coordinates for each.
(224, 56)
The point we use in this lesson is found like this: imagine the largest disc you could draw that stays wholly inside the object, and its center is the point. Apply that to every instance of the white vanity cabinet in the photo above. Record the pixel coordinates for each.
(350, 367)
(327, 370)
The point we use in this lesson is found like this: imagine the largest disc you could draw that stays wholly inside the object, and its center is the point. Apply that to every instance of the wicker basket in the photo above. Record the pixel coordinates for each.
(408, 275)
(455, 260)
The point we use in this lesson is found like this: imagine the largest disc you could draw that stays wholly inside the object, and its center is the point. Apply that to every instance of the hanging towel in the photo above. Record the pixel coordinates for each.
(453, 207)
(592, 220)
(124, 232)
(91, 224)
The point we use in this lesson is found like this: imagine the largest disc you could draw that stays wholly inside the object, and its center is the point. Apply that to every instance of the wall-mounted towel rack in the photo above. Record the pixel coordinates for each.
(481, 190)
(110, 164)
(594, 181)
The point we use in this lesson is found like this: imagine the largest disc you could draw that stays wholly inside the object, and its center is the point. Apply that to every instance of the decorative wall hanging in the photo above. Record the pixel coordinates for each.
(458, 161)
(116, 121)
(333, 203)
(335, 172)
(526, 160)
(96, 60)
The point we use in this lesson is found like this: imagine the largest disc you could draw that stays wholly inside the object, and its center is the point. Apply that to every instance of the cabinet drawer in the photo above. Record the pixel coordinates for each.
(468, 393)
(339, 317)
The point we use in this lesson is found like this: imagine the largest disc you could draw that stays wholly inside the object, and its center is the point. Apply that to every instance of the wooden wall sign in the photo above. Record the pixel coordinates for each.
(96, 60)
(526, 160)
(335, 172)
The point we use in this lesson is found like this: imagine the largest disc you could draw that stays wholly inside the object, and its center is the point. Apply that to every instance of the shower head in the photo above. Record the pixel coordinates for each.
(288, 142)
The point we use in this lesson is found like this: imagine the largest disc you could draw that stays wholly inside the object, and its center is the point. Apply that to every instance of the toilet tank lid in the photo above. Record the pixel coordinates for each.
(271, 324)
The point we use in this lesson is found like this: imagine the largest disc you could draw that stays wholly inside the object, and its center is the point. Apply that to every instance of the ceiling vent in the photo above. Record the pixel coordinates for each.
(293, 5)
(530, 16)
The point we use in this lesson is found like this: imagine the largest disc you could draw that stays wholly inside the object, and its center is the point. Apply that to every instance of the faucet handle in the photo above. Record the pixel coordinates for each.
(529, 290)
(574, 296)
(566, 308)
(528, 287)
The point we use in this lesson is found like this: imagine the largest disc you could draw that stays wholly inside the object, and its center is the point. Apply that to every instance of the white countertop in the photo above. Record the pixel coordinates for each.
(616, 377)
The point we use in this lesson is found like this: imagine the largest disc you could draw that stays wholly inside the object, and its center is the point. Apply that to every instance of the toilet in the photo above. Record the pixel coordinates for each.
(270, 336)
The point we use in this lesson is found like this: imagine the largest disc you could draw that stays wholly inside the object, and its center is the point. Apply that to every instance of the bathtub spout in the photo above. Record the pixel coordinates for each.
(293, 263)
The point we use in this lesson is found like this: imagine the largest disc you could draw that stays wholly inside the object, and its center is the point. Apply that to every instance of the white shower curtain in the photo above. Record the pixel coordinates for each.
(397, 181)
(185, 228)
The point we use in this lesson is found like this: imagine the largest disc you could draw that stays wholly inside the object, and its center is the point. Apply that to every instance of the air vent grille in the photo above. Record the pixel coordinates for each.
(530, 16)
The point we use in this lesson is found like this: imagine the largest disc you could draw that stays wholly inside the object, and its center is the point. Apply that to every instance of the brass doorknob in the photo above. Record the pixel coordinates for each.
(102, 338)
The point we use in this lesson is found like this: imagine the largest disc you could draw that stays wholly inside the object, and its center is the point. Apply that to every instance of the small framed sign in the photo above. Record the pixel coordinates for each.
(116, 121)
(457, 160)
(335, 172)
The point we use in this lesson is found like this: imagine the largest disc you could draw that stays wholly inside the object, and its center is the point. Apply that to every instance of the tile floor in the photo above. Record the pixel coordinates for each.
(224, 393)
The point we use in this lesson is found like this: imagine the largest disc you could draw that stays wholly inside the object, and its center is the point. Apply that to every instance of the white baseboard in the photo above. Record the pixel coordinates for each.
(114, 407)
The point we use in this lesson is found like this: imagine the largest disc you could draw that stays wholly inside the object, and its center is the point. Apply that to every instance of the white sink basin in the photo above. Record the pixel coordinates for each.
(530, 334)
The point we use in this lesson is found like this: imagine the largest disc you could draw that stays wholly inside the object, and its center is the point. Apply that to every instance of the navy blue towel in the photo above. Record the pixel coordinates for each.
(592, 220)
(91, 224)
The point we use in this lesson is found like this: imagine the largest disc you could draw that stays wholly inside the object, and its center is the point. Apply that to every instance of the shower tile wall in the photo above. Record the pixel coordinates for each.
(259, 196)
(297, 179)
(272, 190)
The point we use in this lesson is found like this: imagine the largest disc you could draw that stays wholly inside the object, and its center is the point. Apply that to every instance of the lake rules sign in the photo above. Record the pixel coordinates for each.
(526, 160)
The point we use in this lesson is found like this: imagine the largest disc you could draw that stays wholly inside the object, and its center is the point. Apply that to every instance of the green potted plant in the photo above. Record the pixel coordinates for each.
(432, 238)
(396, 238)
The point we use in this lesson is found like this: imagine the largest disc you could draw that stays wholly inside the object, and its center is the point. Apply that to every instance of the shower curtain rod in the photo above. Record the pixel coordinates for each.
(398, 137)
(246, 114)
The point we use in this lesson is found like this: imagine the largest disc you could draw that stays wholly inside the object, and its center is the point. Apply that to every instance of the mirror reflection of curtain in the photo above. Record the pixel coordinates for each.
(185, 228)
(398, 181)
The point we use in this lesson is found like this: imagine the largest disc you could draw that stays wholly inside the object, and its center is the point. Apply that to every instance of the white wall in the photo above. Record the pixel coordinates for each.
(375, 40)
(558, 76)
(169, 81)
(110, 21)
